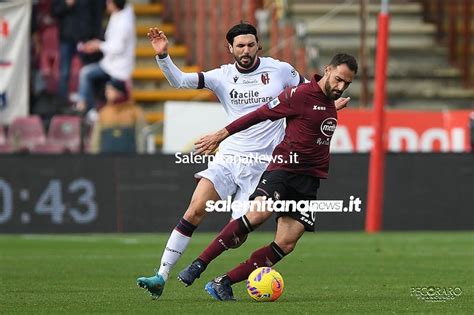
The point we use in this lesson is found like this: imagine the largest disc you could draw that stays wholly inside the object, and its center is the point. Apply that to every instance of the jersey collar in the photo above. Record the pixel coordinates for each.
(314, 82)
(249, 69)
(315, 85)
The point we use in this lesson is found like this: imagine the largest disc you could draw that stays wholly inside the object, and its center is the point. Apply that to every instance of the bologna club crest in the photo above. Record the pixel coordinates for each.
(265, 78)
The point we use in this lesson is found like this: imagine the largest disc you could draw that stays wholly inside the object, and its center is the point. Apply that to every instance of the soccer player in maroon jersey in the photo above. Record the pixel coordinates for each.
(311, 121)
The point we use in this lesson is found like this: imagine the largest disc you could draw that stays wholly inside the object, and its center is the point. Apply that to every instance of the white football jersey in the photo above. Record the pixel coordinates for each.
(241, 92)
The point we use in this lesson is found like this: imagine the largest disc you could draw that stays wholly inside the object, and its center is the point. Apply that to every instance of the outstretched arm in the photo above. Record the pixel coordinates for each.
(173, 74)
(208, 144)
(276, 109)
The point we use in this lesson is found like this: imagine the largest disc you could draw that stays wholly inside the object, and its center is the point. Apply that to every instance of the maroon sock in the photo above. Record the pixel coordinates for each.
(229, 237)
(186, 228)
(264, 257)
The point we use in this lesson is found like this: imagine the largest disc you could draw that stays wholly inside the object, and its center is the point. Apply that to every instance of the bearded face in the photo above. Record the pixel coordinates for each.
(244, 49)
(338, 80)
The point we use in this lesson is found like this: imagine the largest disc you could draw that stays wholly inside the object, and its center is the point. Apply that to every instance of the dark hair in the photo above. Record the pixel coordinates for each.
(241, 29)
(347, 59)
(120, 4)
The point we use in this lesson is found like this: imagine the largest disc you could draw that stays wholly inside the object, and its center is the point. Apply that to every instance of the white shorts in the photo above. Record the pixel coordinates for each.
(233, 179)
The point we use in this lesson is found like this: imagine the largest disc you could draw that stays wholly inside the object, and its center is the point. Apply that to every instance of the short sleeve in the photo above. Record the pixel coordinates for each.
(293, 78)
(212, 79)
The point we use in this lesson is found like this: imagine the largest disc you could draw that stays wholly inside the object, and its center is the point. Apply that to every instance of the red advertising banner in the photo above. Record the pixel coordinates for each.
(405, 131)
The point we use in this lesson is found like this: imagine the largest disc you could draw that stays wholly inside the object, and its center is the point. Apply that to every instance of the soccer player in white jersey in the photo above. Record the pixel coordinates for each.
(241, 88)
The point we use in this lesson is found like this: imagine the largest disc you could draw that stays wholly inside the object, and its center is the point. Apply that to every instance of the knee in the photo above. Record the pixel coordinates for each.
(257, 218)
(85, 72)
(82, 75)
(196, 211)
(286, 246)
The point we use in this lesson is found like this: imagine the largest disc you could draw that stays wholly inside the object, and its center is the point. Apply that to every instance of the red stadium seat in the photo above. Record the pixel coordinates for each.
(65, 131)
(6, 148)
(26, 132)
(48, 148)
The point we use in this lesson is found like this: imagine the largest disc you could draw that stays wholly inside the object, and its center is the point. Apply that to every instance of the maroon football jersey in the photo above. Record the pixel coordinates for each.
(311, 120)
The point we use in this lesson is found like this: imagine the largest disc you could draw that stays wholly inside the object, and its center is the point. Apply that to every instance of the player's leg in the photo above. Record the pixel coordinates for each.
(229, 237)
(235, 230)
(247, 182)
(180, 237)
(289, 231)
(215, 183)
(246, 178)
(271, 184)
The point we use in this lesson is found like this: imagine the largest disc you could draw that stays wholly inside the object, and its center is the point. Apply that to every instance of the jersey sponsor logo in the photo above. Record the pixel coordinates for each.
(247, 81)
(248, 97)
(236, 78)
(321, 141)
(236, 94)
(274, 103)
(265, 78)
(328, 126)
(317, 107)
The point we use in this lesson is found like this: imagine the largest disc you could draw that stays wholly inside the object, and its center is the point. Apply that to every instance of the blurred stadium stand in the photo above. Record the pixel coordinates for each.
(420, 75)
(430, 47)
(423, 71)
(25, 133)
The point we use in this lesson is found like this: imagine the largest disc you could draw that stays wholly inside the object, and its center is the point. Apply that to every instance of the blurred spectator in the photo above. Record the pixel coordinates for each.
(79, 21)
(120, 122)
(118, 50)
(44, 82)
(44, 63)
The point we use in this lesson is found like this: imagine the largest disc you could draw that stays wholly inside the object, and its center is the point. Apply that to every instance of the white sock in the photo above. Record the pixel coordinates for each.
(177, 244)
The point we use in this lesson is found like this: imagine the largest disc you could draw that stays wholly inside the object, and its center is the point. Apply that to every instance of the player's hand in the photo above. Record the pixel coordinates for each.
(208, 144)
(342, 102)
(158, 40)
(91, 46)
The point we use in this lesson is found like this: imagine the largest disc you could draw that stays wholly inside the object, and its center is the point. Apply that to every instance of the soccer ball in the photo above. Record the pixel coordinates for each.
(265, 284)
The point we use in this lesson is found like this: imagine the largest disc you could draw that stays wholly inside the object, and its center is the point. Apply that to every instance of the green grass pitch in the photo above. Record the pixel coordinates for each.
(329, 273)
